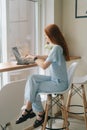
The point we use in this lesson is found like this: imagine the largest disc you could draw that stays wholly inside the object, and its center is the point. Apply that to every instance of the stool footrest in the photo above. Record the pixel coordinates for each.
(75, 112)
(56, 118)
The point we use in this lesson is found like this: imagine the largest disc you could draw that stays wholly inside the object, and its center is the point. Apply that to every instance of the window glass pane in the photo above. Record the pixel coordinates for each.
(21, 26)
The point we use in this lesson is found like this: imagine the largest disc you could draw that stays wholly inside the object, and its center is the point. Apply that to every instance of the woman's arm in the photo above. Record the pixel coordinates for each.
(39, 56)
(42, 63)
(42, 57)
(40, 60)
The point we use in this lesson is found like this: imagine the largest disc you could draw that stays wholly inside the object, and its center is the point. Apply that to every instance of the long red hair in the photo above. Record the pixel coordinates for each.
(56, 37)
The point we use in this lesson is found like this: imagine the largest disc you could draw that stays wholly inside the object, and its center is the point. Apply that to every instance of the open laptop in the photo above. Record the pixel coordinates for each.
(21, 60)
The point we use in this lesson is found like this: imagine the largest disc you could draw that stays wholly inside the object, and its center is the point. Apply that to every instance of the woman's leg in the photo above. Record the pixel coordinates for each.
(28, 106)
(33, 99)
(33, 86)
(32, 89)
(30, 92)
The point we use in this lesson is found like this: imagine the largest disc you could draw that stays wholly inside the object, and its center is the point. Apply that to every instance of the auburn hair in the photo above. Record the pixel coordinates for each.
(56, 37)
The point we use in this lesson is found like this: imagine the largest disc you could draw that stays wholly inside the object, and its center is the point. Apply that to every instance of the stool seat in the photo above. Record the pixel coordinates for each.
(11, 99)
(80, 80)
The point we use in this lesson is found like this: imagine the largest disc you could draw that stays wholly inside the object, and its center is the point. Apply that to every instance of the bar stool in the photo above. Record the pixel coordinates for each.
(58, 99)
(11, 99)
(78, 88)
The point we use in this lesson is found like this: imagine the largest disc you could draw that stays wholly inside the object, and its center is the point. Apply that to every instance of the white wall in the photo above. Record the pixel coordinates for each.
(75, 32)
(53, 11)
(58, 12)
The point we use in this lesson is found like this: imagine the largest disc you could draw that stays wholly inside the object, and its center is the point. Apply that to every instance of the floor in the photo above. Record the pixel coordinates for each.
(77, 125)
(74, 125)
(27, 125)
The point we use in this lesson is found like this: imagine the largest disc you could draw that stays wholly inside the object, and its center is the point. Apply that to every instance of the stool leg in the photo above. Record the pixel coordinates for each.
(50, 112)
(84, 104)
(68, 102)
(64, 113)
(48, 103)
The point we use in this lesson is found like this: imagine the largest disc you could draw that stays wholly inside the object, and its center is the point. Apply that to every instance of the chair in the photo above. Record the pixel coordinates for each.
(58, 99)
(78, 88)
(11, 100)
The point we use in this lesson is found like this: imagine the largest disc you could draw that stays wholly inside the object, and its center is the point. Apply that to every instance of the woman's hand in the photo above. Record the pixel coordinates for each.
(30, 56)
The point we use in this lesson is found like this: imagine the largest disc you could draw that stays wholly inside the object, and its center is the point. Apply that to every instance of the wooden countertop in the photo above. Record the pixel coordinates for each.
(9, 66)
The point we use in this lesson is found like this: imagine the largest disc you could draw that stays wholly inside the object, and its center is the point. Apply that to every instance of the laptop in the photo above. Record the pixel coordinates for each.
(21, 60)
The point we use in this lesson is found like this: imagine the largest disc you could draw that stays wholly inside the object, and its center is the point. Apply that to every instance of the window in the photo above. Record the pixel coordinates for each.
(20, 24)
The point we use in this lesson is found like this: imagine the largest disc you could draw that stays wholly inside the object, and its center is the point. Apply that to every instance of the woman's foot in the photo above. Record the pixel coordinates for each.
(39, 121)
(25, 115)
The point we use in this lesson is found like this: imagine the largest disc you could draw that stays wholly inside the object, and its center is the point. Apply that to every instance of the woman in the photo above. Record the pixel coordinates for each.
(57, 81)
